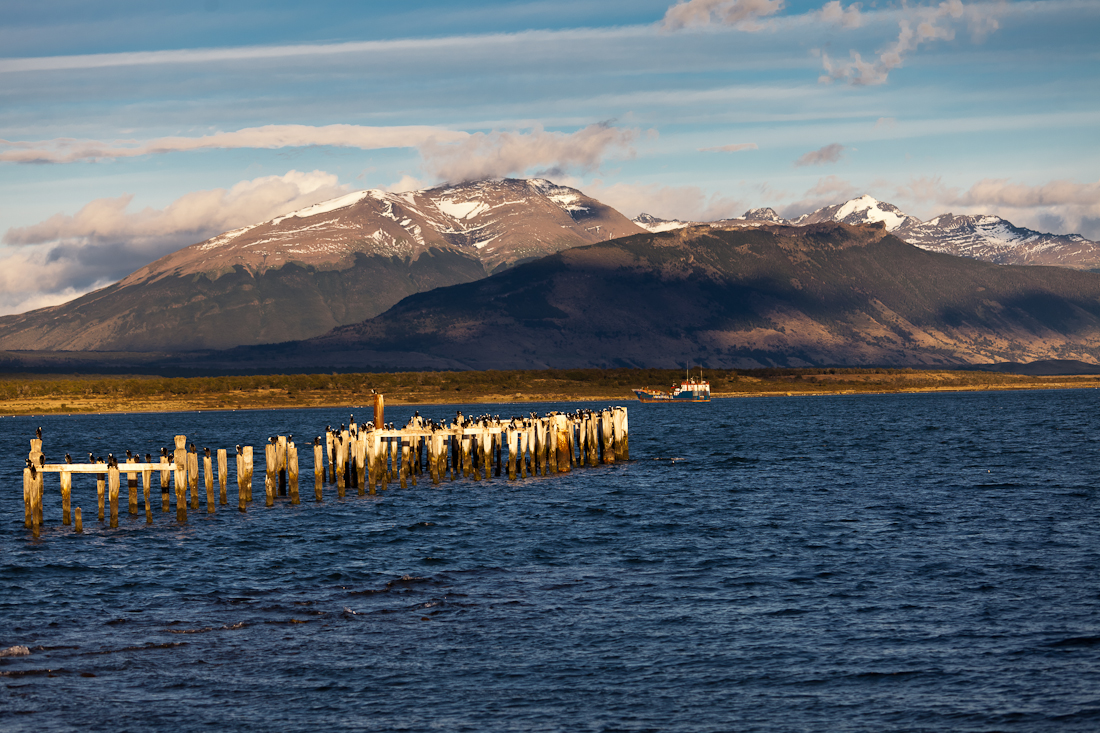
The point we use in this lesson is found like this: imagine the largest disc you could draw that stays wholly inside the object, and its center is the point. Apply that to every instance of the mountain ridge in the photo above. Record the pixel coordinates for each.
(978, 236)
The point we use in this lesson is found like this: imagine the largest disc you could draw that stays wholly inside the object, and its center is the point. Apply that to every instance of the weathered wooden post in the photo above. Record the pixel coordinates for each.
(345, 450)
(28, 495)
(193, 475)
(247, 460)
(624, 441)
(146, 484)
(114, 480)
(223, 468)
(79, 523)
(66, 493)
(239, 457)
(131, 486)
(591, 442)
(318, 469)
(402, 458)
(524, 436)
(606, 442)
(281, 463)
(329, 439)
(361, 461)
(270, 468)
(181, 478)
(562, 424)
(339, 454)
(164, 479)
(379, 412)
(292, 470)
(513, 442)
(36, 461)
(486, 441)
(100, 487)
(208, 474)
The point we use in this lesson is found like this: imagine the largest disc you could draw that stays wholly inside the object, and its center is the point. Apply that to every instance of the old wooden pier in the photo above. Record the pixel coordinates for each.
(365, 458)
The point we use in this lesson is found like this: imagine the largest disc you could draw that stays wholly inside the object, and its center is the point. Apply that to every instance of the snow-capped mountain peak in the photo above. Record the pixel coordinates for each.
(864, 209)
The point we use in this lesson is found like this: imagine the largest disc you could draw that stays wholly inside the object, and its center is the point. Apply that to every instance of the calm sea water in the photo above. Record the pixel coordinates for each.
(911, 562)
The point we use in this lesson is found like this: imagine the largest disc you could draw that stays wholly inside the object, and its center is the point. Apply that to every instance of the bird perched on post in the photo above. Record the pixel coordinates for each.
(238, 449)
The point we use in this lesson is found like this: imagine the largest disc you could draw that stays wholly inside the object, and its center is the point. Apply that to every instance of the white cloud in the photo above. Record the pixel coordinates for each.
(919, 25)
(499, 154)
(67, 255)
(405, 184)
(834, 12)
(1061, 207)
(739, 13)
(829, 154)
(734, 148)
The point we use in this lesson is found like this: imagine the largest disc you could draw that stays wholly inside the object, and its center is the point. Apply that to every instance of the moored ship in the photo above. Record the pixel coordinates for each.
(690, 390)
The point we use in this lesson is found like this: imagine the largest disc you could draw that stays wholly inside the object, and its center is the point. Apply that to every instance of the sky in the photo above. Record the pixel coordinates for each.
(129, 129)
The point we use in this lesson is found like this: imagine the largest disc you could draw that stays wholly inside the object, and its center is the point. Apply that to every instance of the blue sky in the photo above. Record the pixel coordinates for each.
(130, 129)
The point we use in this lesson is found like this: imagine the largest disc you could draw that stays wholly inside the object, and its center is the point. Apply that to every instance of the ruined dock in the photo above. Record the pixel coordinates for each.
(364, 458)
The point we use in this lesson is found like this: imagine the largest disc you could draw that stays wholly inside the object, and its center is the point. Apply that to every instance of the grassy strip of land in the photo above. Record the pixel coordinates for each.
(36, 395)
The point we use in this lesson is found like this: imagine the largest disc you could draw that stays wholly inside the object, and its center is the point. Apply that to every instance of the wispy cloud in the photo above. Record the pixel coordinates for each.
(739, 13)
(67, 150)
(734, 148)
(499, 154)
(919, 25)
(829, 154)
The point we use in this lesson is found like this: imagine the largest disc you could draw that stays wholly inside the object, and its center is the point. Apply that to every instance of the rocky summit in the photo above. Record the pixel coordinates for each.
(304, 273)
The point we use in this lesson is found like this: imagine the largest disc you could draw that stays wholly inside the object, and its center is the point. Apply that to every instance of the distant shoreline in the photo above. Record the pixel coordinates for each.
(43, 396)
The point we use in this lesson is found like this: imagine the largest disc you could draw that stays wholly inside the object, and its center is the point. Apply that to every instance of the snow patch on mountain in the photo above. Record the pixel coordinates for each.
(325, 206)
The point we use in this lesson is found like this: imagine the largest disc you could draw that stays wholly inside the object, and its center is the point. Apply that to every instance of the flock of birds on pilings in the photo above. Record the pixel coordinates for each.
(360, 457)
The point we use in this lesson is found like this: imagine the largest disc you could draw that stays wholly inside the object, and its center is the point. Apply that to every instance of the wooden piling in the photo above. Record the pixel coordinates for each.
(360, 444)
(318, 471)
(239, 460)
(164, 472)
(379, 412)
(270, 475)
(562, 425)
(292, 471)
(146, 485)
(223, 468)
(66, 496)
(113, 483)
(132, 487)
(208, 475)
(100, 486)
(281, 463)
(339, 455)
(180, 477)
(79, 523)
(606, 437)
(28, 497)
(329, 439)
(192, 457)
(591, 442)
(247, 472)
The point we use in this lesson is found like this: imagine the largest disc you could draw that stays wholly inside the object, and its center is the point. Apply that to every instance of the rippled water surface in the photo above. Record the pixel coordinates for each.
(908, 562)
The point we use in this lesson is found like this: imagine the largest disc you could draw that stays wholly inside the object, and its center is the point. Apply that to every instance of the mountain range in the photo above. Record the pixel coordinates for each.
(979, 237)
(334, 263)
(522, 273)
(736, 297)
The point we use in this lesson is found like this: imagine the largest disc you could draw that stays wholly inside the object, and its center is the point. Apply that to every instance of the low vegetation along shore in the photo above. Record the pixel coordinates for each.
(36, 395)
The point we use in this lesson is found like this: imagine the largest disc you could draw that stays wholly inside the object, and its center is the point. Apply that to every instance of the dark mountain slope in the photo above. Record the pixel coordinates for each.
(820, 294)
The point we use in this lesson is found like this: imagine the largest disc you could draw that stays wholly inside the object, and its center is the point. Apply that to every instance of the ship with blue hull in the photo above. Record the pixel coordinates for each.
(689, 390)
